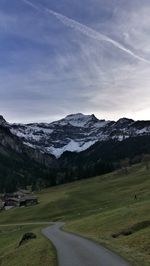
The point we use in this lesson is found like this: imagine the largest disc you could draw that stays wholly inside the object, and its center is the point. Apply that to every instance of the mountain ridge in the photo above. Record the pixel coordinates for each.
(21, 164)
(75, 132)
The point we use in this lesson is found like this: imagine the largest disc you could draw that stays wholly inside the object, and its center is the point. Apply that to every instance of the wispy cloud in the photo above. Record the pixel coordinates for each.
(48, 70)
(87, 31)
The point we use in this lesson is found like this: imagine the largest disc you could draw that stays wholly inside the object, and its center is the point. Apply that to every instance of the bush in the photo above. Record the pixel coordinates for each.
(26, 237)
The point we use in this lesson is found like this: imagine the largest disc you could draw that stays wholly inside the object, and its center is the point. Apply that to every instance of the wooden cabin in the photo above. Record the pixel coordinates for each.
(19, 199)
(28, 201)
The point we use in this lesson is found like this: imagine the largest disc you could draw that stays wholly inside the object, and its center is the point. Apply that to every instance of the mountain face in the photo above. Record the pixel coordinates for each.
(76, 133)
(21, 165)
(3, 121)
(86, 146)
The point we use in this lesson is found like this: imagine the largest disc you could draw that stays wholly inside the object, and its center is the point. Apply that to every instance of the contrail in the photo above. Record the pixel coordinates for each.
(86, 30)
(31, 5)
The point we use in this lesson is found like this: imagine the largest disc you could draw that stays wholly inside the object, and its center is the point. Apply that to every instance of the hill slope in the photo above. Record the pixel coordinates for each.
(99, 208)
(37, 252)
(20, 165)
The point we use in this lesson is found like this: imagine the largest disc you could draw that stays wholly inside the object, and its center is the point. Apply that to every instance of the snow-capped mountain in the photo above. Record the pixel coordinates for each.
(76, 132)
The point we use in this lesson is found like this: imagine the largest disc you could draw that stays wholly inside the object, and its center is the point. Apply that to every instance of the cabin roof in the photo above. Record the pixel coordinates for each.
(28, 198)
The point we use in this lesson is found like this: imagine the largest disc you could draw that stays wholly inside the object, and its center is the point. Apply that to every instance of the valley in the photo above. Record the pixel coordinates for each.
(96, 208)
(87, 147)
(74, 133)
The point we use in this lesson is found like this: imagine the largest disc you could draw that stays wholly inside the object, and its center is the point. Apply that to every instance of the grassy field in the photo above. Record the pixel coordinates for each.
(35, 252)
(97, 208)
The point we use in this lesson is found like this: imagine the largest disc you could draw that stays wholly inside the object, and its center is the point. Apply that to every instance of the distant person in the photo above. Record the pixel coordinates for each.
(135, 197)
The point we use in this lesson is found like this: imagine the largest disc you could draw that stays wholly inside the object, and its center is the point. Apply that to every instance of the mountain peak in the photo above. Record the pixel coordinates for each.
(80, 119)
(76, 116)
(125, 120)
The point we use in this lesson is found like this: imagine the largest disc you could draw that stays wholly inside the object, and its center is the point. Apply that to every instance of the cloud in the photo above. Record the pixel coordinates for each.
(49, 71)
(87, 31)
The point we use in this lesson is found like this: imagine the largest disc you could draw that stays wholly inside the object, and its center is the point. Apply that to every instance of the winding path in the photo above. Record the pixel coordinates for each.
(74, 250)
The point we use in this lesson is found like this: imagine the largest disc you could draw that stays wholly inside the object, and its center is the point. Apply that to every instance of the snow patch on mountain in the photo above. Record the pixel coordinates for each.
(72, 146)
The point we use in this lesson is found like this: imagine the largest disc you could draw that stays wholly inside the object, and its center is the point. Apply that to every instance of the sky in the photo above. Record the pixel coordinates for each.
(59, 57)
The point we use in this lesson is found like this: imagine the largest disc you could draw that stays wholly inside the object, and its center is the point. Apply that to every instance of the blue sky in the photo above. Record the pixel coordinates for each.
(66, 56)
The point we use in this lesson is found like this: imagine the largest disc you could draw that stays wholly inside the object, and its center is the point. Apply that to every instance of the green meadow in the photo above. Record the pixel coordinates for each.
(35, 252)
(102, 208)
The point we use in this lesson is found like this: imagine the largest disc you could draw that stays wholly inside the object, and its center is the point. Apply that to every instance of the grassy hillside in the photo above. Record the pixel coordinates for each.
(99, 208)
(37, 252)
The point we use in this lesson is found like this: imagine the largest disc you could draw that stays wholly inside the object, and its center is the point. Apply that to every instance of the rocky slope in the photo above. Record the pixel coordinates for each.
(21, 165)
(76, 133)
(9, 141)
